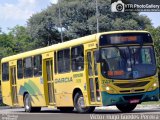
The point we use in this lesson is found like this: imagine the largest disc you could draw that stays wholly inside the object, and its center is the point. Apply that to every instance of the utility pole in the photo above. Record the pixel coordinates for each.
(97, 16)
(60, 22)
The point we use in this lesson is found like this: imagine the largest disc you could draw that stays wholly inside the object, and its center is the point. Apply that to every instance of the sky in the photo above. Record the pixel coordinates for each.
(17, 12)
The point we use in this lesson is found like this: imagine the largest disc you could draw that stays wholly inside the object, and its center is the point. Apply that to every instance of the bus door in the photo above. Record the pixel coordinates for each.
(50, 83)
(13, 85)
(93, 81)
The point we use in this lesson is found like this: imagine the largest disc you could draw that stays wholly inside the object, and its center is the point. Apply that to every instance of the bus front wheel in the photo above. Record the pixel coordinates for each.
(79, 104)
(126, 108)
(28, 106)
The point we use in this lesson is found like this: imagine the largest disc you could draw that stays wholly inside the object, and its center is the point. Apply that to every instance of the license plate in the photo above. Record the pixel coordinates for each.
(134, 101)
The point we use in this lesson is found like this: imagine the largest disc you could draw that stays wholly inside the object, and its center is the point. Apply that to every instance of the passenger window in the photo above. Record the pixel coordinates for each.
(38, 65)
(77, 58)
(67, 60)
(28, 69)
(64, 61)
(60, 61)
(89, 64)
(20, 69)
(5, 71)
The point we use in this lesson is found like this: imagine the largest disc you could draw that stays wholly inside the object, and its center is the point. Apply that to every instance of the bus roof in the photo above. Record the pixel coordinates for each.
(59, 46)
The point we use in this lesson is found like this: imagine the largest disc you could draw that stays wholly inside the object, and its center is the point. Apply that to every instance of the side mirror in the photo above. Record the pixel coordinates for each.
(97, 56)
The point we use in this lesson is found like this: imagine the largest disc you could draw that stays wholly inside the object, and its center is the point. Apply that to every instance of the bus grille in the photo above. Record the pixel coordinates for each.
(127, 91)
(129, 85)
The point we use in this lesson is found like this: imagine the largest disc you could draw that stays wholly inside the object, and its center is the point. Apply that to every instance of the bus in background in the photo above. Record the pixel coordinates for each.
(111, 68)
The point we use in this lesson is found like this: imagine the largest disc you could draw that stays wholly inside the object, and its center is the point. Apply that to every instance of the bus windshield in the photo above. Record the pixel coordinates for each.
(128, 62)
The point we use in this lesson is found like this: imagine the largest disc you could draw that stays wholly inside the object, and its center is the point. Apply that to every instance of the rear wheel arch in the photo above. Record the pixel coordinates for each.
(27, 104)
(24, 95)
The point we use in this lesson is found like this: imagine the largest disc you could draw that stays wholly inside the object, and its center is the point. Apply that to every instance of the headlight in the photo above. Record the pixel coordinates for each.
(107, 88)
(153, 86)
(110, 89)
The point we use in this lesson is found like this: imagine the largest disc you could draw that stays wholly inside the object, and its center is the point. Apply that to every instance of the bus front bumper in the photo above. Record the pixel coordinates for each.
(114, 99)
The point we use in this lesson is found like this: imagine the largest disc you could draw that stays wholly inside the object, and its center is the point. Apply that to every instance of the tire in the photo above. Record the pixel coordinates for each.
(126, 108)
(77, 98)
(66, 109)
(28, 106)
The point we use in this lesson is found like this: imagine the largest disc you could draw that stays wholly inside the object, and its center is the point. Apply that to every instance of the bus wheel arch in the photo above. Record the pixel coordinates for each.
(27, 103)
(24, 95)
(77, 98)
(76, 90)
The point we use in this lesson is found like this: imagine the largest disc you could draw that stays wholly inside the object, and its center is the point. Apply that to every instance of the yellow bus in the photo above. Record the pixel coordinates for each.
(104, 69)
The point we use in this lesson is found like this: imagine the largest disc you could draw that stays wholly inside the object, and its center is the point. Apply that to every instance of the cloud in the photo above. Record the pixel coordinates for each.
(22, 10)
(54, 1)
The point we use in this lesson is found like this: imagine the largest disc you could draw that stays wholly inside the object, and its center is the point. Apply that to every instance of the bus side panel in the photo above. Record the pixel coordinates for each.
(6, 93)
(34, 86)
(65, 86)
(63, 89)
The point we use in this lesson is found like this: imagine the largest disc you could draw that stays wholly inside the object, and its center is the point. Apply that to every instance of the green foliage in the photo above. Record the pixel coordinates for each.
(5, 45)
(20, 39)
(155, 32)
(16, 41)
(42, 29)
(78, 18)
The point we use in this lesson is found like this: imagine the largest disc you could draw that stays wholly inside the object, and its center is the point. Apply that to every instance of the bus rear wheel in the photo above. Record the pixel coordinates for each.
(66, 109)
(79, 104)
(28, 106)
(126, 108)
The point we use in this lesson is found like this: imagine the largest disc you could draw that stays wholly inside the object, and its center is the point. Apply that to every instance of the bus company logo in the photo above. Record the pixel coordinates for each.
(132, 90)
(117, 6)
(63, 80)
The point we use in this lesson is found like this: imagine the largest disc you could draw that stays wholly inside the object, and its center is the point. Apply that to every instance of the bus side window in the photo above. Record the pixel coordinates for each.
(38, 65)
(28, 67)
(64, 61)
(77, 58)
(5, 71)
(60, 61)
(19, 69)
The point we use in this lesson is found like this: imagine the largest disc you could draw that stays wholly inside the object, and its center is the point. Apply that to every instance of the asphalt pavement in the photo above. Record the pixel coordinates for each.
(149, 112)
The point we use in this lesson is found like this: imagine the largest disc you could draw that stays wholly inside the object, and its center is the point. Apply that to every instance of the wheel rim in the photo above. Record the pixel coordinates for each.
(27, 102)
(81, 102)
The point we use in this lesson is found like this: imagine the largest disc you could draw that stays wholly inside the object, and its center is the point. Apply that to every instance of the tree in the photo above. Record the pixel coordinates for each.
(78, 19)
(16, 41)
(20, 39)
(155, 32)
(42, 29)
(5, 45)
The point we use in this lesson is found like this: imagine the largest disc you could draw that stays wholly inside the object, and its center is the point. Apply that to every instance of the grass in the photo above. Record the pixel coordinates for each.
(151, 103)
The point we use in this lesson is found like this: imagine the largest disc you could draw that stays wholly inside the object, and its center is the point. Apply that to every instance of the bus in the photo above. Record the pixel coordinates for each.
(116, 68)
